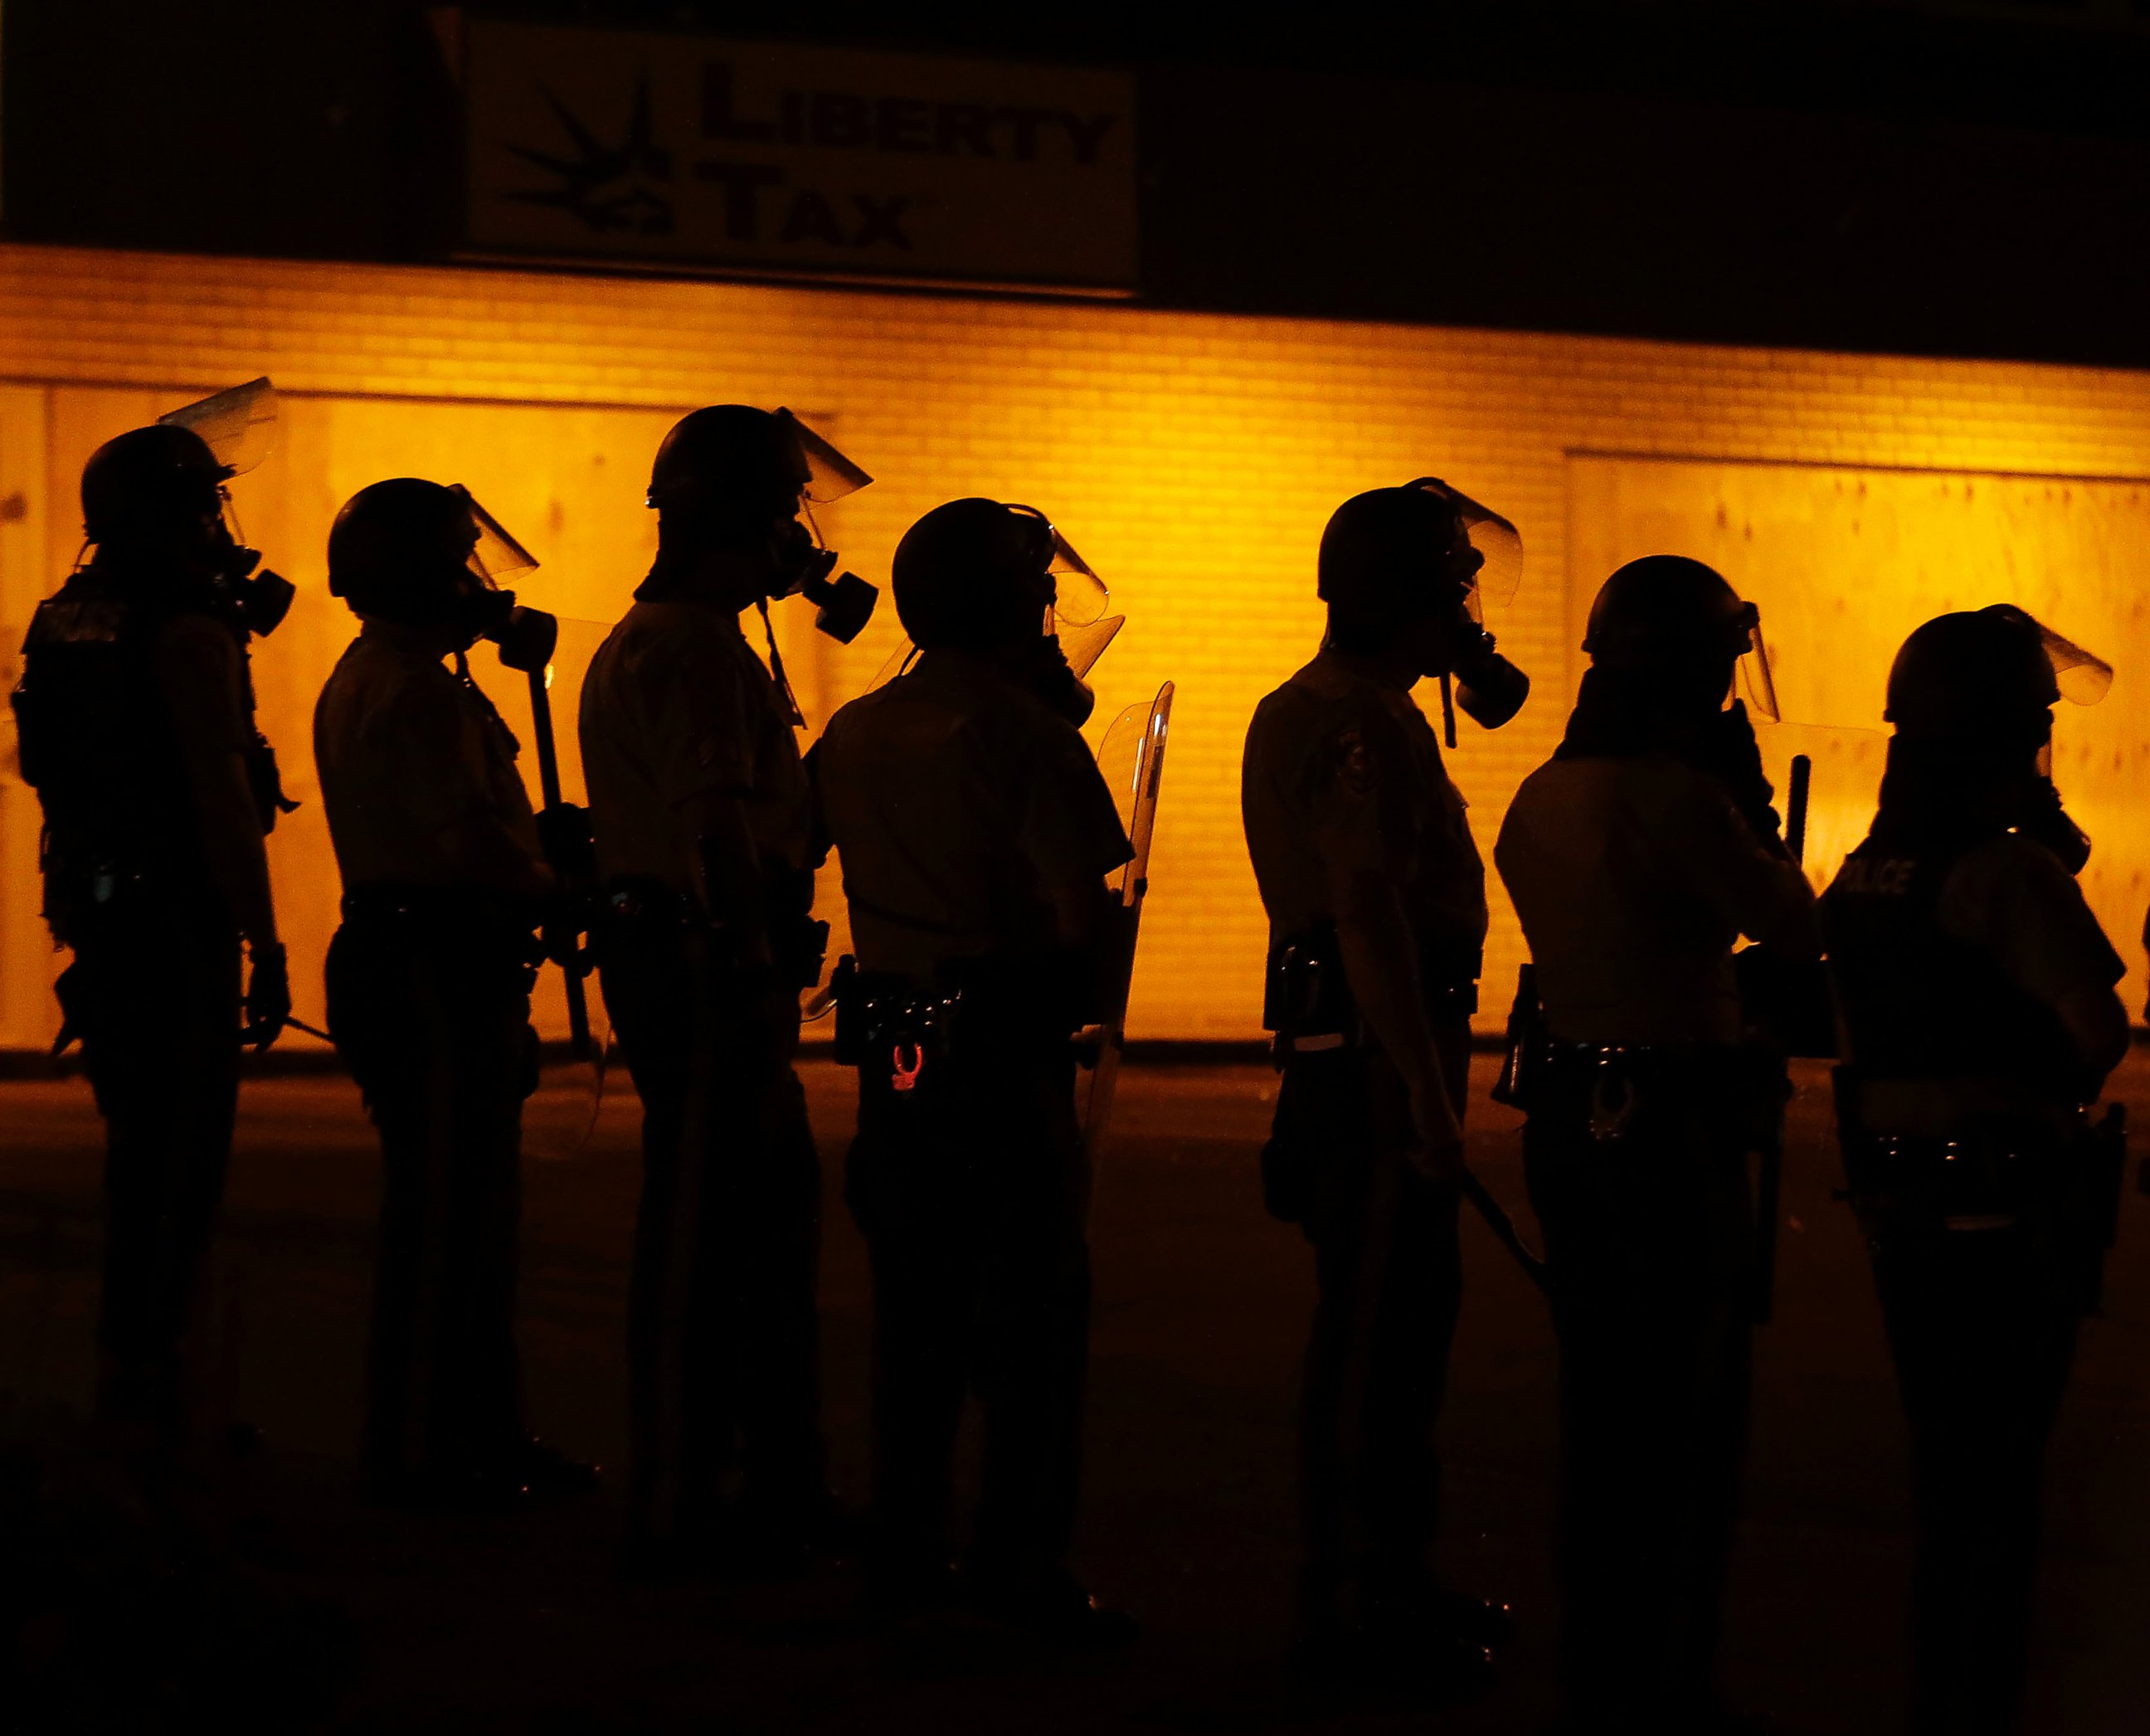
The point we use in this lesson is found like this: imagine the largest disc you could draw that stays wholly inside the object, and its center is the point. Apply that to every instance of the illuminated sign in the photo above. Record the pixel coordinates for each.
(667, 148)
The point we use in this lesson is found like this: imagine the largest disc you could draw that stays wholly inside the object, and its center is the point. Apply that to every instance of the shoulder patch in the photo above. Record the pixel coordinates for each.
(1355, 765)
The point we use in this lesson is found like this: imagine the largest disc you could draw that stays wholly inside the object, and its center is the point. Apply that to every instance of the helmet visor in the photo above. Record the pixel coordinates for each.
(239, 425)
(1499, 546)
(1082, 646)
(2081, 676)
(1753, 673)
(496, 553)
(1079, 596)
(830, 475)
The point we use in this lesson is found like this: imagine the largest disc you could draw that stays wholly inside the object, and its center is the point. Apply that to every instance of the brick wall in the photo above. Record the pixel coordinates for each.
(1193, 459)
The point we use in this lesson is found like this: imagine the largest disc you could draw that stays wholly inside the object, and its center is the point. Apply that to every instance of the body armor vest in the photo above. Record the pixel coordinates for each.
(96, 741)
(1918, 1003)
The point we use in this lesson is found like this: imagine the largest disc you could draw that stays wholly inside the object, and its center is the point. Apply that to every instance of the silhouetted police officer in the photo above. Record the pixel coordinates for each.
(136, 720)
(701, 812)
(975, 832)
(1636, 857)
(429, 981)
(1376, 900)
(1975, 993)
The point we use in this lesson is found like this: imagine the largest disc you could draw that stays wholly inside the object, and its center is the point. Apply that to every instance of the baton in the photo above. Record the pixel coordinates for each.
(1505, 1231)
(246, 1034)
(1769, 1188)
(548, 783)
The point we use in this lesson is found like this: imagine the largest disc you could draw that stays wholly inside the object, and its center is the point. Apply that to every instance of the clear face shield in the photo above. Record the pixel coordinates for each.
(525, 636)
(2083, 677)
(844, 603)
(1489, 688)
(1077, 615)
(1750, 676)
(1492, 539)
(239, 426)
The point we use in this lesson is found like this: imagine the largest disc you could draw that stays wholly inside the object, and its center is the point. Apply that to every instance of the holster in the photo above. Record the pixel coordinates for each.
(1307, 1001)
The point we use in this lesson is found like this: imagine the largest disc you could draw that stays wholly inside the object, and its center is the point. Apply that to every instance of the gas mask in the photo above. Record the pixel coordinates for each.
(1489, 688)
(240, 427)
(257, 600)
(482, 609)
(844, 602)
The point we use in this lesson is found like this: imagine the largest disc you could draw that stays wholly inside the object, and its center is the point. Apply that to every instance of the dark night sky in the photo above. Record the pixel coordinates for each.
(1952, 180)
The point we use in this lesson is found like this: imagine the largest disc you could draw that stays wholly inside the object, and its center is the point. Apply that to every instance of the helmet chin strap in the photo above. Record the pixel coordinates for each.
(776, 667)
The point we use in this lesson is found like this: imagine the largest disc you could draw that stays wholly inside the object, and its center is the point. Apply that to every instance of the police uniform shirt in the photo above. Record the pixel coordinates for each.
(1633, 876)
(1344, 775)
(677, 705)
(408, 751)
(2011, 898)
(957, 802)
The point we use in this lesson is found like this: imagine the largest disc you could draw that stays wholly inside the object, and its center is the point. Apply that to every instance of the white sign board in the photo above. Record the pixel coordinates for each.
(584, 143)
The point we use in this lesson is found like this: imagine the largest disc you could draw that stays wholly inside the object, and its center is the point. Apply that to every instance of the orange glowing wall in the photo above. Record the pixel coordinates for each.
(1192, 458)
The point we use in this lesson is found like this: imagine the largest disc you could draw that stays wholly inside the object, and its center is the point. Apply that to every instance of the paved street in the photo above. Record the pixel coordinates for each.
(522, 1625)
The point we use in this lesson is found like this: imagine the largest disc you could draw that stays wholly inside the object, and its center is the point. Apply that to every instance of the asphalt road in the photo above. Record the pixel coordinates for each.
(523, 1624)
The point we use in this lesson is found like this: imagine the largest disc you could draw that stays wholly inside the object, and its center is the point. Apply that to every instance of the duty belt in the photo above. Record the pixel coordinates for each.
(446, 916)
(1985, 1166)
(997, 1010)
(890, 1024)
(1608, 1085)
(651, 900)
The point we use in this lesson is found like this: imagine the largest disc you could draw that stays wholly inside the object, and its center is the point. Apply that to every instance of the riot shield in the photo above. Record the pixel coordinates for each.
(1132, 759)
(1844, 787)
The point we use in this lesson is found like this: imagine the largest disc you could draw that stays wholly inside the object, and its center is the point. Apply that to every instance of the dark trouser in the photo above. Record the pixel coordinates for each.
(723, 1335)
(1649, 1241)
(154, 995)
(972, 1193)
(1389, 1283)
(1982, 1326)
(433, 1019)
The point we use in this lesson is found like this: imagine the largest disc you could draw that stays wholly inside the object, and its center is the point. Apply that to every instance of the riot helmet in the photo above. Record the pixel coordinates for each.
(1391, 557)
(1394, 555)
(1989, 677)
(159, 491)
(736, 478)
(425, 554)
(993, 575)
(150, 486)
(1680, 621)
(978, 573)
